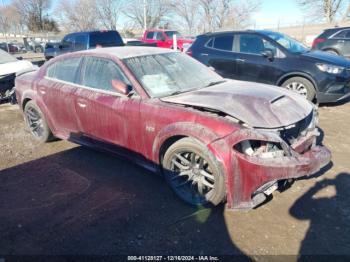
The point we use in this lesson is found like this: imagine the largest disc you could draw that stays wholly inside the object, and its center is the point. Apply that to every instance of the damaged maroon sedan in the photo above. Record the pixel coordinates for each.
(213, 139)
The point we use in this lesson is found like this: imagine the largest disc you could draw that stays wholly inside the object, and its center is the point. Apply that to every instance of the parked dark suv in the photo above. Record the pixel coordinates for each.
(276, 59)
(335, 41)
(82, 41)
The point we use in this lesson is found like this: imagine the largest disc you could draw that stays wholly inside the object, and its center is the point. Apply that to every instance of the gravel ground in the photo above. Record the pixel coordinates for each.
(61, 198)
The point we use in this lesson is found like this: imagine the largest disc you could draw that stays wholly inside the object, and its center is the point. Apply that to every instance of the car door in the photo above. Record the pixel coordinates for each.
(252, 65)
(80, 42)
(161, 40)
(218, 54)
(67, 44)
(57, 90)
(150, 37)
(102, 112)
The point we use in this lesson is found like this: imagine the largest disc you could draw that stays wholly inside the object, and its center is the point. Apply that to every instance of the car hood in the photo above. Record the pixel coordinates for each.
(257, 105)
(321, 56)
(14, 67)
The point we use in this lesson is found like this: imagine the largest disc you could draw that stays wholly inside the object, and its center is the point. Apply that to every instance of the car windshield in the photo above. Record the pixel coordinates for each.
(171, 73)
(171, 33)
(287, 42)
(6, 57)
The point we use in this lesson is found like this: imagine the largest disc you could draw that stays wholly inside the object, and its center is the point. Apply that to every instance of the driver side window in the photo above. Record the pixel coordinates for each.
(98, 73)
(255, 44)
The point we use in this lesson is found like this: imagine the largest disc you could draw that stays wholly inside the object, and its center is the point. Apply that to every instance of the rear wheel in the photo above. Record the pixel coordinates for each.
(193, 173)
(36, 123)
(302, 86)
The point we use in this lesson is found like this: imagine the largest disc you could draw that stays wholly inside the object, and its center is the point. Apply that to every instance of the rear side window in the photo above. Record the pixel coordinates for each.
(98, 73)
(224, 42)
(343, 34)
(64, 70)
(105, 39)
(150, 35)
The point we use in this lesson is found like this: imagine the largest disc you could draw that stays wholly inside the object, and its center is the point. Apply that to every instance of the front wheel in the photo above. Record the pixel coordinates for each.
(302, 86)
(193, 173)
(36, 123)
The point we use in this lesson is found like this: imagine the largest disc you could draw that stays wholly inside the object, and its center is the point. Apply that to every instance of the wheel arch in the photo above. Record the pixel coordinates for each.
(174, 132)
(287, 76)
(332, 49)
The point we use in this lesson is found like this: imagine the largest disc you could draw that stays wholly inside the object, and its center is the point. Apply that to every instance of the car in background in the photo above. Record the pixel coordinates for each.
(164, 38)
(334, 40)
(82, 41)
(276, 59)
(12, 48)
(169, 113)
(9, 67)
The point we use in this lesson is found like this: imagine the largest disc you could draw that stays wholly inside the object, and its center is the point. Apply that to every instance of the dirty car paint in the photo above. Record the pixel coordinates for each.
(144, 125)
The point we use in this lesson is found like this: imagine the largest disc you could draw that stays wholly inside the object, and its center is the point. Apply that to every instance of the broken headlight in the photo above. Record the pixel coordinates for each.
(259, 148)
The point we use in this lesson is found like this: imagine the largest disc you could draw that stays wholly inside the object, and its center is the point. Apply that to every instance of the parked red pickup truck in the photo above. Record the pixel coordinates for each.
(164, 38)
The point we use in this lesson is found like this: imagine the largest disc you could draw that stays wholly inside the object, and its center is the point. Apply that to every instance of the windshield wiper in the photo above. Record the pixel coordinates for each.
(215, 83)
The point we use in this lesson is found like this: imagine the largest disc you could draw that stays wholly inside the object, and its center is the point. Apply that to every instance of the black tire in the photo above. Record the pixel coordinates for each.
(204, 183)
(309, 91)
(36, 123)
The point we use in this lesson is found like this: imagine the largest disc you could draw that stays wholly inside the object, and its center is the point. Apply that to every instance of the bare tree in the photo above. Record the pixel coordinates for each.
(33, 12)
(227, 14)
(157, 12)
(10, 19)
(108, 12)
(322, 9)
(346, 15)
(78, 15)
(187, 13)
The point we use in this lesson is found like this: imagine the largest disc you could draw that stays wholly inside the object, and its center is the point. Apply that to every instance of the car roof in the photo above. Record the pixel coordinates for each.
(239, 31)
(122, 52)
(337, 28)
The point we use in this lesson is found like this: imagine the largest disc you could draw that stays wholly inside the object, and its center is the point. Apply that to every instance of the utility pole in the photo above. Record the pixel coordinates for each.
(145, 15)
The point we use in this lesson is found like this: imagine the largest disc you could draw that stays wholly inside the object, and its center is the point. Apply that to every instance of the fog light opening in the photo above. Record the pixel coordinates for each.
(258, 148)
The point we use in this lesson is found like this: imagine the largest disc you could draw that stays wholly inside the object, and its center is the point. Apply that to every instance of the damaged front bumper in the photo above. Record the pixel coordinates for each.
(252, 178)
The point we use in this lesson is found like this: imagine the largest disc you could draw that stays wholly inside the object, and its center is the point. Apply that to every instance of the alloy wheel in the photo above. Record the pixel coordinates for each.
(34, 121)
(192, 176)
(298, 88)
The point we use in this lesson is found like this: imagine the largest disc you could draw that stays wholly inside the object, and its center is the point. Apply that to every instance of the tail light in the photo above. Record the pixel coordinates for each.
(317, 41)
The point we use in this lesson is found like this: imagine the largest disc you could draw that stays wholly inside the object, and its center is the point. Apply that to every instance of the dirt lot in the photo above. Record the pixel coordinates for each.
(60, 198)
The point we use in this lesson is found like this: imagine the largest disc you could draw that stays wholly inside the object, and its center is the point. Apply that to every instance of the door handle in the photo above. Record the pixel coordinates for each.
(341, 41)
(240, 60)
(203, 54)
(42, 90)
(81, 103)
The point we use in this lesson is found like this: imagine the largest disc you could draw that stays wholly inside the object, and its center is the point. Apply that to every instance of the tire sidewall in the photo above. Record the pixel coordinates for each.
(194, 145)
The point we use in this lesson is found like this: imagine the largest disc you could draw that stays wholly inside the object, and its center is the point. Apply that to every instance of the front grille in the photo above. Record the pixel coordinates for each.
(291, 134)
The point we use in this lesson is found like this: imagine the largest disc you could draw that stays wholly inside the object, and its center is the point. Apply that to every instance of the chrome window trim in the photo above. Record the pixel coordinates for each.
(86, 87)
(335, 34)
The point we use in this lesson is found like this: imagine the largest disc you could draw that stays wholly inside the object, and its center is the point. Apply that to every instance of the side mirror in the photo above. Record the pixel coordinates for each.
(120, 86)
(268, 53)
